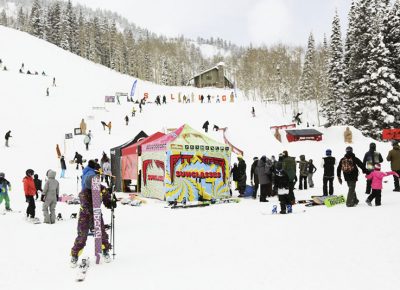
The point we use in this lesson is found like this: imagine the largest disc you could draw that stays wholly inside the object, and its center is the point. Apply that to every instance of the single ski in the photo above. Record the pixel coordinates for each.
(82, 269)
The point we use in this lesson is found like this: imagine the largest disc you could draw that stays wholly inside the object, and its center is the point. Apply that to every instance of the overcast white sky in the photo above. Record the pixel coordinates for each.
(240, 21)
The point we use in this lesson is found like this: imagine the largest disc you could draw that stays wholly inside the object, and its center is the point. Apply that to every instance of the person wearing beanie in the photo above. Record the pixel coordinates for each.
(264, 173)
(5, 187)
(30, 192)
(376, 178)
(87, 172)
(254, 177)
(50, 192)
(394, 159)
(328, 163)
(371, 158)
(348, 164)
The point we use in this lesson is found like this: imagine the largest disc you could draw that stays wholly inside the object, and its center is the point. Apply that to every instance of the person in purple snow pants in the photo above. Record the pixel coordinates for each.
(85, 221)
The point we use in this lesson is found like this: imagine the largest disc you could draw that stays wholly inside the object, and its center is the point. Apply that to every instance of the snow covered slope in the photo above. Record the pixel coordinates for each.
(230, 246)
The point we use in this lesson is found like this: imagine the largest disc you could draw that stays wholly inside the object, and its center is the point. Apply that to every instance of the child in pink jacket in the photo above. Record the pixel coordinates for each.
(376, 185)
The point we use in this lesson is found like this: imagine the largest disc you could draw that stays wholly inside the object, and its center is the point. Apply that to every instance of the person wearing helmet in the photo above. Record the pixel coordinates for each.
(5, 186)
(30, 193)
(328, 163)
(348, 164)
(371, 158)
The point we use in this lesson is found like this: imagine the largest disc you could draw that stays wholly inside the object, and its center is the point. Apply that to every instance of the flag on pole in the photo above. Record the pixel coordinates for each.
(133, 88)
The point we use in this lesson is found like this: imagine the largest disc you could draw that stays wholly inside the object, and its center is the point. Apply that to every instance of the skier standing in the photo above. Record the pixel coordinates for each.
(348, 164)
(50, 192)
(5, 186)
(7, 136)
(85, 221)
(63, 167)
(30, 192)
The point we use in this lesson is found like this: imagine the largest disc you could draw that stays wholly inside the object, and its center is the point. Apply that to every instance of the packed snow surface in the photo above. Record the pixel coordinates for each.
(229, 246)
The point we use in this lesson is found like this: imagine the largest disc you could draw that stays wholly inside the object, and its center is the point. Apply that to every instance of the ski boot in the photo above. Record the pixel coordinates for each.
(368, 202)
(289, 208)
(274, 209)
(74, 262)
(106, 256)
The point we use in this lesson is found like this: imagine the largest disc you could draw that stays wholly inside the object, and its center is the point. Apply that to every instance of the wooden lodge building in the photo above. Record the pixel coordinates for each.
(213, 77)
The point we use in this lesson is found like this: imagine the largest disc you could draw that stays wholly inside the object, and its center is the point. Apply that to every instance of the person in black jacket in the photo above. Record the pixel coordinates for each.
(348, 164)
(78, 160)
(242, 176)
(371, 158)
(205, 126)
(254, 177)
(63, 167)
(38, 186)
(235, 175)
(328, 163)
(7, 136)
(311, 170)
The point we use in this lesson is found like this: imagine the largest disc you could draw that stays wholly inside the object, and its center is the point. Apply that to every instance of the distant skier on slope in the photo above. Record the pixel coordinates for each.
(5, 187)
(7, 137)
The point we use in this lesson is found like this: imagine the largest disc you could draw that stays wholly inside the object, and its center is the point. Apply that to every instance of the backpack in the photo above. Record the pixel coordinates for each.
(347, 165)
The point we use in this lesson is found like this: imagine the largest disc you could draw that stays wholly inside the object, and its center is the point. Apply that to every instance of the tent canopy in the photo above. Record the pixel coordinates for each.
(133, 148)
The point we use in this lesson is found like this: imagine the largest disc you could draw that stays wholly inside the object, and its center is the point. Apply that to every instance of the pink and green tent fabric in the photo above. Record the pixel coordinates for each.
(185, 163)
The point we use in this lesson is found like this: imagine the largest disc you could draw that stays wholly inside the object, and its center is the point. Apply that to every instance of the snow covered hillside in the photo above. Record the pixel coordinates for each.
(232, 246)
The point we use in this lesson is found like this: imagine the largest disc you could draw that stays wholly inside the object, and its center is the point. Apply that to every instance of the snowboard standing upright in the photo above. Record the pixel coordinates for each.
(96, 200)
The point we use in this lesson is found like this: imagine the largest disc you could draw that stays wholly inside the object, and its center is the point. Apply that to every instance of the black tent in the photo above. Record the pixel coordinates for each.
(115, 154)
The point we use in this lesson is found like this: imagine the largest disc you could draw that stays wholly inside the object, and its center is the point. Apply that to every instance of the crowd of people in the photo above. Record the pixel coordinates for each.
(278, 176)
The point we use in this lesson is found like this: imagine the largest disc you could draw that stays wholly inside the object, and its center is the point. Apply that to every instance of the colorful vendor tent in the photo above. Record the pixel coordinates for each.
(115, 154)
(185, 163)
(130, 156)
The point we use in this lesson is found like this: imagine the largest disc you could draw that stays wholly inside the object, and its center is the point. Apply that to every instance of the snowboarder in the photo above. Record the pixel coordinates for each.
(376, 178)
(242, 176)
(63, 167)
(297, 118)
(164, 99)
(78, 160)
(47, 92)
(328, 164)
(311, 170)
(205, 126)
(348, 136)
(371, 158)
(50, 192)
(348, 164)
(7, 136)
(254, 177)
(30, 192)
(253, 112)
(126, 120)
(38, 186)
(83, 127)
(158, 101)
(394, 159)
(54, 82)
(303, 172)
(5, 187)
(264, 172)
(85, 221)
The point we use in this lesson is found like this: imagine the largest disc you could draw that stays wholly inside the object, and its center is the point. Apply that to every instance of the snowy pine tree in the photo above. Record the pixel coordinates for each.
(336, 98)
(54, 25)
(3, 18)
(35, 21)
(307, 88)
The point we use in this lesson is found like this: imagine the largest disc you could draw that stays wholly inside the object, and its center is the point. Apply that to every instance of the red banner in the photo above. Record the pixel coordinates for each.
(391, 134)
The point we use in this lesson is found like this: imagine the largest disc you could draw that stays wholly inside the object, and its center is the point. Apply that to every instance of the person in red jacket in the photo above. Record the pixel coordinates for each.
(30, 193)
